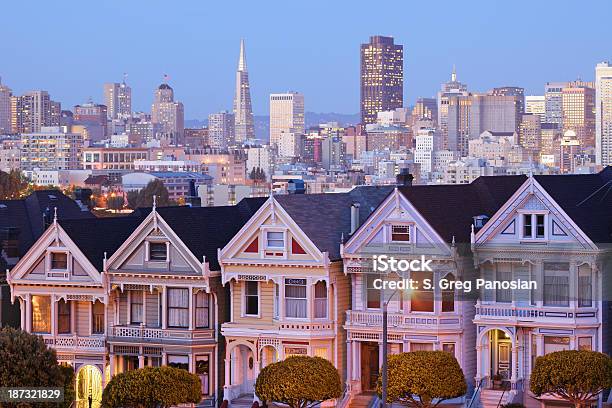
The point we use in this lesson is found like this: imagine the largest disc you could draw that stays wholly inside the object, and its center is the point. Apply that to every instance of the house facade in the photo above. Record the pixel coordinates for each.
(116, 294)
(288, 290)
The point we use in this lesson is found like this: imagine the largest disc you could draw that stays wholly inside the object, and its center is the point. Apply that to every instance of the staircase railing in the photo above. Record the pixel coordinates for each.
(345, 398)
(476, 394)
(501, 398)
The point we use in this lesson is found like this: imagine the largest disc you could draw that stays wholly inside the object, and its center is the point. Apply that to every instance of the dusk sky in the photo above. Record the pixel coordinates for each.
(70, 48)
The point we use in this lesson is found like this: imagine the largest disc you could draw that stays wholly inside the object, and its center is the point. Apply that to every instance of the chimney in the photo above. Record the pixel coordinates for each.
(354, 217)
(404, 178)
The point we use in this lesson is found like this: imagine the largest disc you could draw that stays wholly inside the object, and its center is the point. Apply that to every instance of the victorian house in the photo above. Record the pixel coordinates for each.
(115, 294)
(289, 294)
(416, 223)
(556, 231)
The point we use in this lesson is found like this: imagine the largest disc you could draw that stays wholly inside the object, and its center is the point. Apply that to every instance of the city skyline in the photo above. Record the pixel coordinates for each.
(201, 71)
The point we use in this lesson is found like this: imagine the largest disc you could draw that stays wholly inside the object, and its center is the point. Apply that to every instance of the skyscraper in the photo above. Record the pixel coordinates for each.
(553, 100)
(33, 110)
(578, 106)
(536, 105)
(5, 109)
(168, 115)
(286, 115)
(448, 89)
(118, 99)
(512, 91)
(382, 77)
(221, 129)
(603, 113)
(243, 111)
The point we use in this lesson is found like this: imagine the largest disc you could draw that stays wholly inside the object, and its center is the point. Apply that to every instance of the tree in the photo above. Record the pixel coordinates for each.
(577, 376)
(144, 197)
(152, 387)
(257, 174)
(26, 361)
(12, 184)
(423, 379)
(115, 202)
(299, 382)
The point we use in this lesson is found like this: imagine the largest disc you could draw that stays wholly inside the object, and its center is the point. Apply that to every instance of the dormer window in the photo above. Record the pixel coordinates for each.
(275, 239)
(158, 251)
(534, 226)
(400, 233)
(59, 260)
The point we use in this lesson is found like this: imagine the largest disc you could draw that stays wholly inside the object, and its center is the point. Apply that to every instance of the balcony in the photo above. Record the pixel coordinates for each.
(374, 319)
(528, 315)
(152, 334)
(64, 343)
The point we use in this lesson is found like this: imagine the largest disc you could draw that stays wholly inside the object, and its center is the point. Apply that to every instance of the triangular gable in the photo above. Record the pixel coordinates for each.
(34, 265)
(152, 227)
(504, 226)
(395, 209)
(270, 217)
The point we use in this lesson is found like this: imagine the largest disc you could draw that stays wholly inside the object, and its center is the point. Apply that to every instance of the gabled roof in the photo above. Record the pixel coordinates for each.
(325, 218)
(450, 209)
(202, 229)
(586, 198)
(27, 214)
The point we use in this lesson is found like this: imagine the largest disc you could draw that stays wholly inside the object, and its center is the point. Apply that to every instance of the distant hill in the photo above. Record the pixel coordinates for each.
(262, 122)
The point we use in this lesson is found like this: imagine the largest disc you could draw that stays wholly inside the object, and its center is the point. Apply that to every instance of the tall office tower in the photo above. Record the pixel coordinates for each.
(469, 116)
(448, 89)
(382, 77)
(118, 99)
(32, 111)
(221, 129)
(603, 113)
(286, 115)
(551, 142)
(168, 115)
(243, 111)
(5, 109)
(553, 100)
(536, 105)
(530, 134)
(578, 106)
(426, 108)
(512, 91)
(51, 148)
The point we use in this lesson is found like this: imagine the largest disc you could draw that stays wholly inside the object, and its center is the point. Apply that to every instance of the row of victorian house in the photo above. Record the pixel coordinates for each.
(224, 291)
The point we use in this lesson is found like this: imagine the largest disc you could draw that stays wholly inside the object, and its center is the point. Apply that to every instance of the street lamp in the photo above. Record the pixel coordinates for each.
(385, 304)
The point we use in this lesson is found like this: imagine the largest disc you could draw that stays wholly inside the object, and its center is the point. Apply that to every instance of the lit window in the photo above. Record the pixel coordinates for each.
(59, 260)
(41, 314)
(275, 239)
(400, 233)
(158, 252)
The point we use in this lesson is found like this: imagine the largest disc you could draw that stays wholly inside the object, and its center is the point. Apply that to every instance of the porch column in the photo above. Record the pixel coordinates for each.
(164, 358)
(405, 347)
(111, 361)
(28, 313)
(349, 361)
(191, 310)
(513, 367)
(191, 363)
(356, 360)
(144, 307)
(53, 316)
(479, 362)
(141, 359)
(22, 310)
(164, 310)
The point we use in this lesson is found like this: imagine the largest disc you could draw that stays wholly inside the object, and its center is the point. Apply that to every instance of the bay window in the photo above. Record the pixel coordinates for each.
(136, 306)
(63, 317)
(295, 298)
(372, 294)
(504, 274)
(97, 312)
(41, 314)
(202, 310)
(556, 284)
(178, 307)
(320, 300)
(251, 298)
(422, 299)
(585, 286)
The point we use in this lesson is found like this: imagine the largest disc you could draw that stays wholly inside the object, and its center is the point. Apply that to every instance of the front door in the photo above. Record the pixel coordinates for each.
(369, 366)
(504, 360)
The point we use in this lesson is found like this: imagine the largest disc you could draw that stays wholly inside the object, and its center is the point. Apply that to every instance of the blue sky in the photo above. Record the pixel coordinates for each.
(70, 48)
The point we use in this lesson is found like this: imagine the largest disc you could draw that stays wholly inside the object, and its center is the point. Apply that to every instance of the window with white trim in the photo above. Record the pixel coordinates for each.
(275, 239)
(320, 300)
(400, 233)
(534, 226)
(295, 298)
(251, 298)
(63, 316)
(59, 260)
(202, 310)
(158, 251)
(136, 306)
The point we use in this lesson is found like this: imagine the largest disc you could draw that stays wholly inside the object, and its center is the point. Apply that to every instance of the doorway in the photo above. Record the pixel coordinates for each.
(370, 367)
